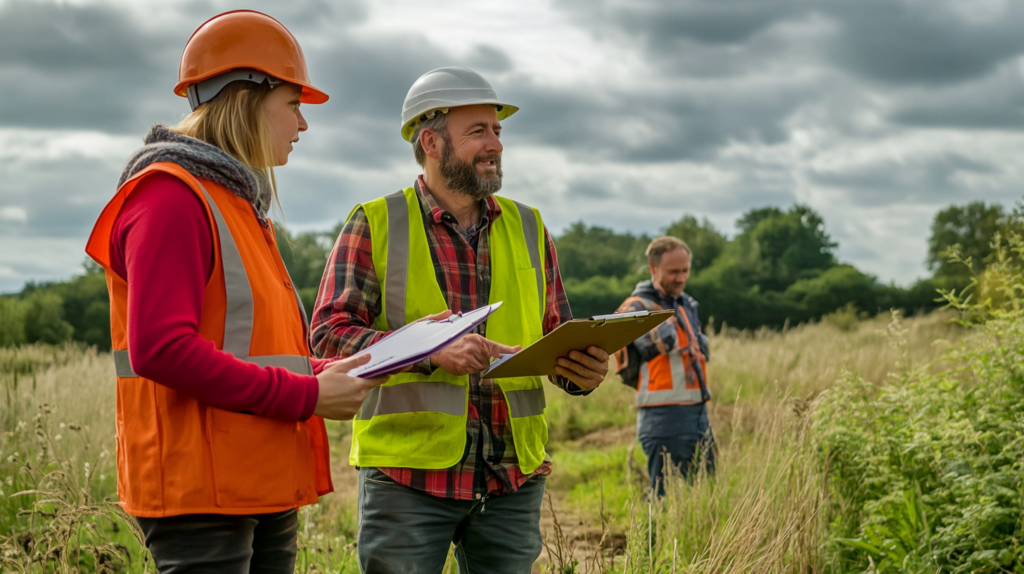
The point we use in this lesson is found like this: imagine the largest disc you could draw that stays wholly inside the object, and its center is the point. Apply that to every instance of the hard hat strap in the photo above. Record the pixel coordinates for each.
(208, 89)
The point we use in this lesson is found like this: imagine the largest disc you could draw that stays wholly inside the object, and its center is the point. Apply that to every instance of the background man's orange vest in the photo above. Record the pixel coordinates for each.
(677, 376)
(176, 455)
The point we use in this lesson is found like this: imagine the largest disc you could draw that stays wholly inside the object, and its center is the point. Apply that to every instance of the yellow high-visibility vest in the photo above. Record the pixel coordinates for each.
(419, 421)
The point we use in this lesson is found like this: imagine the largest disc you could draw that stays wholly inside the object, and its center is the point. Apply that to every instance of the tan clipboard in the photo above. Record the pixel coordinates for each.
(609, 332)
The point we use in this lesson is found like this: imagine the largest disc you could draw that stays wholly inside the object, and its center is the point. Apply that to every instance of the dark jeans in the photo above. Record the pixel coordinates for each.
(682, 433)
(218, 543)
(404, 530)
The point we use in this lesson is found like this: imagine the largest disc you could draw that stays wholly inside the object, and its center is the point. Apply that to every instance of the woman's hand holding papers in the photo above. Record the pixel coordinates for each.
(341, 395)
(470, 354)
(587, 370)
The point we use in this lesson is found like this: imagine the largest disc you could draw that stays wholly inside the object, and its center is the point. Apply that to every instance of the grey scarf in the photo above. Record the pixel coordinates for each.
(202, 160)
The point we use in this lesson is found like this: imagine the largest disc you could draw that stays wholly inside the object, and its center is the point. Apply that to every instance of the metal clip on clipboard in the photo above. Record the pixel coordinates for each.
(600, 320)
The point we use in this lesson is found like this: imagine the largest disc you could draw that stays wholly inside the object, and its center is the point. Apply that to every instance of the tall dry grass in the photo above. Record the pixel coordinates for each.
(763, 509)
(759, 513)
(57, 511)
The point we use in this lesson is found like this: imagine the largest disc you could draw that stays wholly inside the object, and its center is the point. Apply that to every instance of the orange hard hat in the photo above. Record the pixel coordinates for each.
(244, 40)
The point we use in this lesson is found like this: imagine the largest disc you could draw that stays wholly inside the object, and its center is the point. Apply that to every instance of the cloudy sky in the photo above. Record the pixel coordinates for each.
(877, 113)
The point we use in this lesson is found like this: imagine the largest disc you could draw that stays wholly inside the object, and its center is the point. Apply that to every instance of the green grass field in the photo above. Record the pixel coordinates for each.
(770, 508)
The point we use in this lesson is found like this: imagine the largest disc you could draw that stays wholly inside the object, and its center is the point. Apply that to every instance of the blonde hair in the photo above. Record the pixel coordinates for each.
(236, 122)
(663, 245)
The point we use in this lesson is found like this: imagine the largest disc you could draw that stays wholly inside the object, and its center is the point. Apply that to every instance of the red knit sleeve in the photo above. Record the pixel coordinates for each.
(162, 246)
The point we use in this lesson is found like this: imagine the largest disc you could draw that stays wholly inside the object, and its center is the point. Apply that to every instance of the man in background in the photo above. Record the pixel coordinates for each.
(667, 367)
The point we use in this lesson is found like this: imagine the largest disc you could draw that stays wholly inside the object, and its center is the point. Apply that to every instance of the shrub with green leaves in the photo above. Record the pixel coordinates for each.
(12, 322)
(925, 470)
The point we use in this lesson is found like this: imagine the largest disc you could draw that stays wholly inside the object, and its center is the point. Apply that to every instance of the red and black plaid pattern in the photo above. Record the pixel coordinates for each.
(349, 302)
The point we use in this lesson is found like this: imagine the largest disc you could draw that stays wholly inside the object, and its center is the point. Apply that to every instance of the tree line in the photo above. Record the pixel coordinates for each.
(779, 268)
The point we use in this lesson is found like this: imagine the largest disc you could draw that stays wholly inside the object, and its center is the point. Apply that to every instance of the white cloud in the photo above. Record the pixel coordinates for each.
(12, 214)
(22, 144)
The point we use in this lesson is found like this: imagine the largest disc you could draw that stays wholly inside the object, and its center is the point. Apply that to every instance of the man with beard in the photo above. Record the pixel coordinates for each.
(444, 455)
(668, 368)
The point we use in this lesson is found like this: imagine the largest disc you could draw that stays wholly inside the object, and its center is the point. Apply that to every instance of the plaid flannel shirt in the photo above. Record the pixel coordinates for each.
(349, 302)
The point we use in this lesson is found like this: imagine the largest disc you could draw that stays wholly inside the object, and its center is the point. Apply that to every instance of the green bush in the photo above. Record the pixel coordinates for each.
(12, 322)
(585, 252)
(308, 297)
(87, 307)
(44, 319)
(598, 295)
(53, 313)
(834, 288)
(846, 318)
(926, 469)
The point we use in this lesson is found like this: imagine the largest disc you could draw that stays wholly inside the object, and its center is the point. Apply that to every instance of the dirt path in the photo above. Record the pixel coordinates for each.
(567, 533)
(584, 539)
(571, 538)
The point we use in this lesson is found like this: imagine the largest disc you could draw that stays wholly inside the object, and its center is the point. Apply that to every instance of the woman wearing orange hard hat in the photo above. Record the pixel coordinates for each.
(220, 433)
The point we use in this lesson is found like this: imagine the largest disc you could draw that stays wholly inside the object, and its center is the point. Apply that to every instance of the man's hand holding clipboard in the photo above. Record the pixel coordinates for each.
(586, 370)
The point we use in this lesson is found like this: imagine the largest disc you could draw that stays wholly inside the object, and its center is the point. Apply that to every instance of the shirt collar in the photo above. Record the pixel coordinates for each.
(490, 212)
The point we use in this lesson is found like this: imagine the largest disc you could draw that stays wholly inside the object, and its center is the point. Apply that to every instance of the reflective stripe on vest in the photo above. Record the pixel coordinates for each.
(531, 233)
(238, 316)
(677, 394)
(414, 398)
(441, 398)
(398, 259)
(295, 363)
(526, 402)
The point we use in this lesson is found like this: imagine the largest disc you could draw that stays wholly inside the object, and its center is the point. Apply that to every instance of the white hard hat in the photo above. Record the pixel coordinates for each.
(444, 88)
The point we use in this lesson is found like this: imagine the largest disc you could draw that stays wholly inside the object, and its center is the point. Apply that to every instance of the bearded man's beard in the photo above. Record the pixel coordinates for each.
(462, 177)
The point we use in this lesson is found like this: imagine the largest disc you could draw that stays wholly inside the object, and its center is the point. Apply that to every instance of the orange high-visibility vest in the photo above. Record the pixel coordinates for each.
(176, 455)
(676, 377)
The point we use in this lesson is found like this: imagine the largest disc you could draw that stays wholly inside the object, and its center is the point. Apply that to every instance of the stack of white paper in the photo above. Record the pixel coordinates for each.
(417, 341)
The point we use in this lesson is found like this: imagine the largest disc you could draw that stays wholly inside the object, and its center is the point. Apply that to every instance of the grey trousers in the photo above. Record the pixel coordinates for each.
(404, 530)
(682, 433)
(217, 543)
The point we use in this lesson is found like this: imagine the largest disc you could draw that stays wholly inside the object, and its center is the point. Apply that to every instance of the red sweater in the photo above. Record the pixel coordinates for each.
(162, 246)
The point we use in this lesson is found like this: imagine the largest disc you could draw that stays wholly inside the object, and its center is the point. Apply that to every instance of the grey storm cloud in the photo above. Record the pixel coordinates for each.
(995, 102)
(890, 41)
(923, 41)
(82, 67)
(99, 67)
(677, 121)
(933, 179)
(665, 26)
(697, 38)
(109, 64)
(939, 62)
(59, 196)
